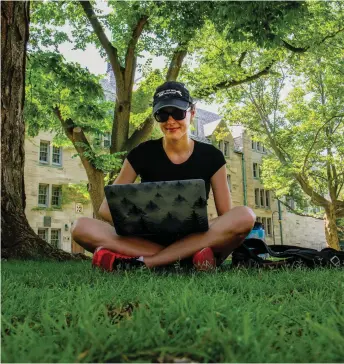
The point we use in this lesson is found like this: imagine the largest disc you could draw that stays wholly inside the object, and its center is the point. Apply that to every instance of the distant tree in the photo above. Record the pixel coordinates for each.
(305, 131)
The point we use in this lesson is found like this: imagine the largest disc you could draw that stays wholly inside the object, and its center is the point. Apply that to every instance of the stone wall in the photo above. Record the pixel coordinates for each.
(303, 231)
(35, 173)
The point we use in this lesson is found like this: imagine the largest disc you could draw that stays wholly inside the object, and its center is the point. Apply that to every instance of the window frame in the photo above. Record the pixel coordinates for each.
(60, 195)
(264, 223)
(257, 197)
(46, 230)
(262, 197)
(254, 145)
(255, 170)
(46, 195)
(267, 199)
(220, 145)
(53, 230)
(268, 226)
(52, 156)
(47, 143)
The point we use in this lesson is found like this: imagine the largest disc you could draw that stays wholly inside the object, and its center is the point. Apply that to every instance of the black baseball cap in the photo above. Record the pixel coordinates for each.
(171, 93)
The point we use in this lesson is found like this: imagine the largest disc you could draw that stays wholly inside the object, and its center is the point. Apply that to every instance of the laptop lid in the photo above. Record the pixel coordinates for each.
(158, 208)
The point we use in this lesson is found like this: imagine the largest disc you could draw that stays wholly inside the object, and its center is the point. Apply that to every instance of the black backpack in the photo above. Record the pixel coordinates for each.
(255, 253)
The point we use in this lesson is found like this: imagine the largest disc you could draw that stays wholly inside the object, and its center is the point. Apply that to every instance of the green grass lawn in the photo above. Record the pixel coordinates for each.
(68, 312)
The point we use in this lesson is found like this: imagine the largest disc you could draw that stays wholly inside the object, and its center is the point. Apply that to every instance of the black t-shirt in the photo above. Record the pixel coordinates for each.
(152, 164)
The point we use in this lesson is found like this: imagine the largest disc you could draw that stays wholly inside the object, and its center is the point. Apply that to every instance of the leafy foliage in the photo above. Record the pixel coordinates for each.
(75, 192)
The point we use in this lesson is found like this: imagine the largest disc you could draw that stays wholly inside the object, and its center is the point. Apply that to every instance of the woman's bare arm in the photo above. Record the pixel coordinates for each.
(222, 195)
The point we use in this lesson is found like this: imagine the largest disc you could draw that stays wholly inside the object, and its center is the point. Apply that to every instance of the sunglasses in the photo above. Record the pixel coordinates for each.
(162, 115)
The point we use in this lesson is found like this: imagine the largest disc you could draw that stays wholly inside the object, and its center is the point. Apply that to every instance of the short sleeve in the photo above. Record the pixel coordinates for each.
(135, 157)
(217, 161)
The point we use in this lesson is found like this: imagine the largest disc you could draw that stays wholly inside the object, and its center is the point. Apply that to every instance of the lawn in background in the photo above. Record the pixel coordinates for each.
(69, 312)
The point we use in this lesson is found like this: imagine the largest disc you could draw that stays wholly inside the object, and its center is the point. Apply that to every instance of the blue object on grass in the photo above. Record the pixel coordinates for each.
(257, 232)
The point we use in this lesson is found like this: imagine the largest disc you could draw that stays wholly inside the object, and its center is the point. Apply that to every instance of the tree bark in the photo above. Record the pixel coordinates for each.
(18, 239)
(96, 189)
(331, 230)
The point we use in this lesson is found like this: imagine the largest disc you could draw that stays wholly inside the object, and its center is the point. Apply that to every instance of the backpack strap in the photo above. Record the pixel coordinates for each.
(248, 255)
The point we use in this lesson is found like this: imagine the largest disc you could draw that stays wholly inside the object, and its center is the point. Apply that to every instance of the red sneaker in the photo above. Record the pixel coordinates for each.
(204, 260)
(108, 260)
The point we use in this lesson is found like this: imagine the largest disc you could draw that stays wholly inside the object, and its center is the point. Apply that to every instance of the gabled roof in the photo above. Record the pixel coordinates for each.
(204, 118)
(210, 127)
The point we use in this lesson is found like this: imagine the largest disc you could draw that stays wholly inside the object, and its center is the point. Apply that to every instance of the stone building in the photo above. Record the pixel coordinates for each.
(244, 159)
(49, 172)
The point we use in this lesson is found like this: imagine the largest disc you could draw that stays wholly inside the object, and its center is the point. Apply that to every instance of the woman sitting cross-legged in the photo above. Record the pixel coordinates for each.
(176, 156)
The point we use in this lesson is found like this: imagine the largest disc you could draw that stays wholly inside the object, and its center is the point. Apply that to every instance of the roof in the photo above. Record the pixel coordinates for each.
(210, 127)
(203, 118)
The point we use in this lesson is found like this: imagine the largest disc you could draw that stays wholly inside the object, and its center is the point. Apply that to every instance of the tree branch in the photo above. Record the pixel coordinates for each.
(231, 83)
(76, 135)
(141, 134)
(315, 197)
(340, 209)
(315, 139)
(176, 62)
(297, 212)
(241, 58)
(111, 51)
(130, 59)
(305, 49)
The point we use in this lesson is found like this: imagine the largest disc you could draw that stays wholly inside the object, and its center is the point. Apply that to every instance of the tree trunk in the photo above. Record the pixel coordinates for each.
(120, 126)
(331, 230)
(18, 239)
(96, 189)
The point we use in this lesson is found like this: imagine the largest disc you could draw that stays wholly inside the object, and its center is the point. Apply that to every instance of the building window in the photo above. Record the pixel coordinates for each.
(226, 149)
(267, 198)
(43, 234)
(44, 152)
(229, 182)
(220, 145)
(107, 140)
(268, 226)
(55, 236)
(264, 150)
(262, 199)
(57, 155)
(258, 219)
(259, 146)
(256, 196)
(264, 222)
(56, 196)
(43, 191)
(255, 170)
(254, 145)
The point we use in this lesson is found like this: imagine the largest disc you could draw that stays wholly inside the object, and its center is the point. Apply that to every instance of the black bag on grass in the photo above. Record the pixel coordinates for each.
(255, 253)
